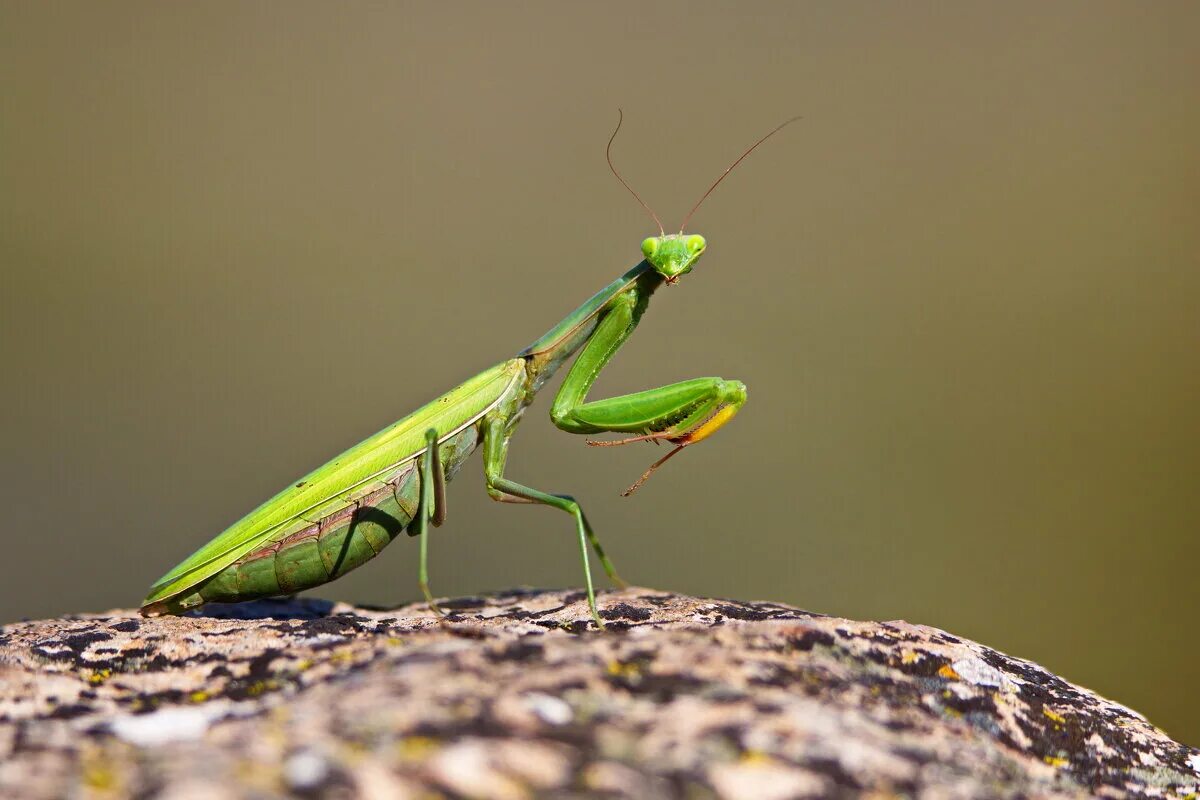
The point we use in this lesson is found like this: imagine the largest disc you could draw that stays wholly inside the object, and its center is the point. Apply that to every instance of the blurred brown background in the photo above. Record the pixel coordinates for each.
(963, 293)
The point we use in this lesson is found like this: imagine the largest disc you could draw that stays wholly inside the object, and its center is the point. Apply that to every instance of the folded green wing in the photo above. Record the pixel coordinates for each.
(381, 453)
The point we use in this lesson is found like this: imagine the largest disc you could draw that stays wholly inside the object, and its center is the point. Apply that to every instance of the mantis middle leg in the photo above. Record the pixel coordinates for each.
(431, 508)
(504, 490)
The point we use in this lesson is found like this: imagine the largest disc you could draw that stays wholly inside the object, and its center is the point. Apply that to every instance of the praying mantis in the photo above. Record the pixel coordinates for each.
(345, 512)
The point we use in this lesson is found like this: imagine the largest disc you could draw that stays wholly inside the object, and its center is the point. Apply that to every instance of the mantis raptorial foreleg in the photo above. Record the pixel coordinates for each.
(682, 413)
(431, 508)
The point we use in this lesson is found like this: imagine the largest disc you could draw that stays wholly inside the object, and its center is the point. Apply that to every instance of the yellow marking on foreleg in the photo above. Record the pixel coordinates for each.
(710, 425)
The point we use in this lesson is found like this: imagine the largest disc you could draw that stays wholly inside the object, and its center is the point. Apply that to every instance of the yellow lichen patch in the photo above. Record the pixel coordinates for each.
(1055, 717)
(198, 697)
(756, 757)
(100, 676)
(1054, 761)
(412, 748)
(99, 778)
(342, 656)
(395, 641)
(304, 664)
(623, 669)
(97, 774)
(946, 671)
(909, 657)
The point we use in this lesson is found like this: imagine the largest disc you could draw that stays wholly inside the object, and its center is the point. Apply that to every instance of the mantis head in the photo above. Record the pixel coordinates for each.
(674, 254)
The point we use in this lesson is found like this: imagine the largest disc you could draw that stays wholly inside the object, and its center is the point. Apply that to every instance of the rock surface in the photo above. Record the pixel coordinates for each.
(516, 696)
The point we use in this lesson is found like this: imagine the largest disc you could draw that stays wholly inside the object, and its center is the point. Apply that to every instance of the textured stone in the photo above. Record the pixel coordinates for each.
(517, 696)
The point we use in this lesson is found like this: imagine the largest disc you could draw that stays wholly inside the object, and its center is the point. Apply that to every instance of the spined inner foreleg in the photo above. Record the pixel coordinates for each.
(682, 413)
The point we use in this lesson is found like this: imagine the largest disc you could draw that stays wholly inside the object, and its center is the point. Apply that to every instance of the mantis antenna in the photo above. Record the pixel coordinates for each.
(729, 169)
(608, 155)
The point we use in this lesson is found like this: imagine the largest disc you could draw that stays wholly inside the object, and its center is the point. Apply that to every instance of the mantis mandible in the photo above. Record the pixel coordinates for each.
(343, 513)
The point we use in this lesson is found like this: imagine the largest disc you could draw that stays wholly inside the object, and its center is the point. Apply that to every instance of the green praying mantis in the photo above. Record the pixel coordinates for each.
(345, 512)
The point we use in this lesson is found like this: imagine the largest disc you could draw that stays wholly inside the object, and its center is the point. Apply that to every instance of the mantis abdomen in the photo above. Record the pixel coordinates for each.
(310, 552)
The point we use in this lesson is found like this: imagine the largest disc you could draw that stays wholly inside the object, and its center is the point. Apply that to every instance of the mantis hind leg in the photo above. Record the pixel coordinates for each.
(432, 507)
(500, 488)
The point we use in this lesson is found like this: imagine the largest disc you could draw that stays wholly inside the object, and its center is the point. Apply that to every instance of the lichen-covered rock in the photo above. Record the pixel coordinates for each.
(517, 696)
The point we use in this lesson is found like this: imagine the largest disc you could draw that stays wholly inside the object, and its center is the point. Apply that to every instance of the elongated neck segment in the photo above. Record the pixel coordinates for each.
(548, 353)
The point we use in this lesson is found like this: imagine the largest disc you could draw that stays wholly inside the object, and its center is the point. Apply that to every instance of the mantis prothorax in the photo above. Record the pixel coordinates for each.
(344, 512)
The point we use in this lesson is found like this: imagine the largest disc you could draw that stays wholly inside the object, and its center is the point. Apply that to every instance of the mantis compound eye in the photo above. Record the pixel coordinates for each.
(695, 243)
(649, 246)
